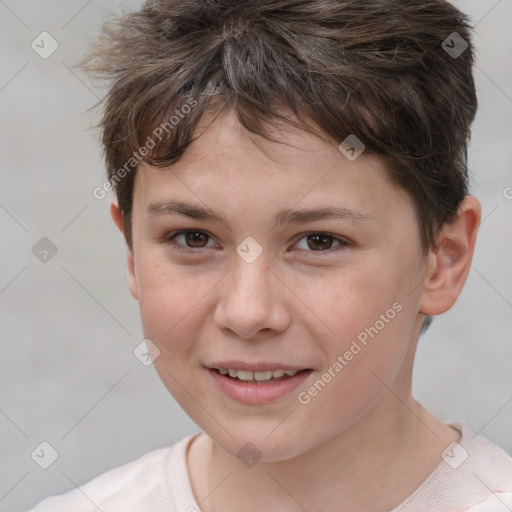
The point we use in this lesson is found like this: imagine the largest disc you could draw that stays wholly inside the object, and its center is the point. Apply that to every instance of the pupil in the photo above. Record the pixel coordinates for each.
(318, 238)
(193, 237)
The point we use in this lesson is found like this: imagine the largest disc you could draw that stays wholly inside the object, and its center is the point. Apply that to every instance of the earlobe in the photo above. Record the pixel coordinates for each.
(117, 217)
(449, 262)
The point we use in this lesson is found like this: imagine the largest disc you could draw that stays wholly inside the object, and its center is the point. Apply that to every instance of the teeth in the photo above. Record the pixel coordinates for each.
(257, 376)
(245, 375)
(262, 375)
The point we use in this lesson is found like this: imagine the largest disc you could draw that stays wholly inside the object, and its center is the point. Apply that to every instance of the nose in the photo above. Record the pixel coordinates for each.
(252, 301)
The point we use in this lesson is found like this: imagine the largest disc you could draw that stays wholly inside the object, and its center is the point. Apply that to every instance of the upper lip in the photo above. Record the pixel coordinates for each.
(255, 367)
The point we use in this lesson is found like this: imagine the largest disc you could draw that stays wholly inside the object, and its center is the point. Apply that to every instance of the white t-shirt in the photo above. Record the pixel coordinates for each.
(475, 476)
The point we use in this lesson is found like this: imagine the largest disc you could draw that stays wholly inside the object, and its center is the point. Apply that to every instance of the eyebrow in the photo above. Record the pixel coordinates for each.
(287, 215)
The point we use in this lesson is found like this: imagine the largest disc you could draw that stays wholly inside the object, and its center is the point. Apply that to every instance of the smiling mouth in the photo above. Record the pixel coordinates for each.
(265, 377)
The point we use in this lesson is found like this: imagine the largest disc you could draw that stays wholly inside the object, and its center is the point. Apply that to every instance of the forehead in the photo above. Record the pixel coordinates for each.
(229, 169)
(226, 143)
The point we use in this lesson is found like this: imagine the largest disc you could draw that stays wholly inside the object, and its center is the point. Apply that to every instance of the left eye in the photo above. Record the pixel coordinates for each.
(321, 242)
(315, 242)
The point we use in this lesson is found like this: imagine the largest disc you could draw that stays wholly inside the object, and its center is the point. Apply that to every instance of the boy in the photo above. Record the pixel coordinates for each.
(291, 182)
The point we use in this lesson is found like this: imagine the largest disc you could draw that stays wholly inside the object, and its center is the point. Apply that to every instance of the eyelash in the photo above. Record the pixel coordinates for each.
(169, 239)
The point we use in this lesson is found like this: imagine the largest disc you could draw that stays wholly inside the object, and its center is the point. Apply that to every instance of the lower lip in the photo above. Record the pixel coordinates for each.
(252, 393)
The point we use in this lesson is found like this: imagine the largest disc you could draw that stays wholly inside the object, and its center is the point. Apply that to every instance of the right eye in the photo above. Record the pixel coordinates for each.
(192, 238)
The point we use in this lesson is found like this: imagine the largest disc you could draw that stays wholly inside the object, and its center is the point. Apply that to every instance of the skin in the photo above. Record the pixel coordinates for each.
(363, 440)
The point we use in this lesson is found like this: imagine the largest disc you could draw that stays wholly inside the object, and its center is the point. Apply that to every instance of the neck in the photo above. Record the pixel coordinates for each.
(373, 465)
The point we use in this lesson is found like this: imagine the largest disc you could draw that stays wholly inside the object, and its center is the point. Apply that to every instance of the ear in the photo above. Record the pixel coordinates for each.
(117, 217)
(449, 263)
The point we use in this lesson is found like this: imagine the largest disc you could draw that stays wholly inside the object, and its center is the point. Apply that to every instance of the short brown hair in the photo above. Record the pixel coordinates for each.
(374, 68)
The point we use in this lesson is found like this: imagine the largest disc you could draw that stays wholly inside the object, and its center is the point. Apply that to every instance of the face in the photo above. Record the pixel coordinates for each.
(240, 264)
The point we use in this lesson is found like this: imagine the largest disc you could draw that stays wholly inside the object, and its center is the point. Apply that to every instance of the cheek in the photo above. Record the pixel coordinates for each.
(170, 307)
(169, 300)
(364, 333)
(349, 299)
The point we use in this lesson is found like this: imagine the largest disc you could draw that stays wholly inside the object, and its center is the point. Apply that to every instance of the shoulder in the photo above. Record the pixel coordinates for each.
(496, 502)
(485, 461)
(141, 485)
(489, 467)
(474, 476)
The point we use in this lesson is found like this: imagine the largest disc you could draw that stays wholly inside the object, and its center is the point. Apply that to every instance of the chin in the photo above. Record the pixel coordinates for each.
(256, 445)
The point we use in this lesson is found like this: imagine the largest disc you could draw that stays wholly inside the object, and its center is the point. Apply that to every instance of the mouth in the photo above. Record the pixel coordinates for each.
(257, 384)
(260, 377)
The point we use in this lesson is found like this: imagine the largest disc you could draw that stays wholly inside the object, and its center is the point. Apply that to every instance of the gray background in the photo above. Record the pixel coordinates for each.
(68, 327)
